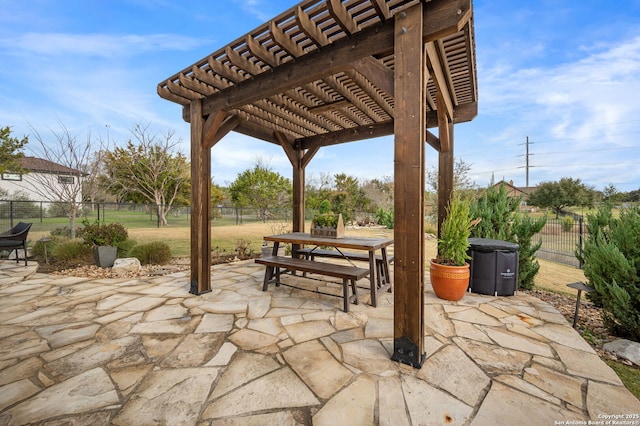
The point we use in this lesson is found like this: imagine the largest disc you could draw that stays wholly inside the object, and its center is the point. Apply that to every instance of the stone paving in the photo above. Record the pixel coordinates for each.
(79, 351)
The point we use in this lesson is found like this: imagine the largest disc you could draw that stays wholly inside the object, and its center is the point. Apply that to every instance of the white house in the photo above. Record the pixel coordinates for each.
(44, 180)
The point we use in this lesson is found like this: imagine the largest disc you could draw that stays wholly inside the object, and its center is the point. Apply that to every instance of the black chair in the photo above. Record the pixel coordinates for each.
(15, 238)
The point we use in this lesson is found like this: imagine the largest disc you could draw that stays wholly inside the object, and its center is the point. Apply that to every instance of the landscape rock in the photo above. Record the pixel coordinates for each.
(127, 264)
(626, 349)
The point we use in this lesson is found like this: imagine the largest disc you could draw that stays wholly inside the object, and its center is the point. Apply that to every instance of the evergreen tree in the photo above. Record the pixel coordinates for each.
(611, 258)
(502, 220)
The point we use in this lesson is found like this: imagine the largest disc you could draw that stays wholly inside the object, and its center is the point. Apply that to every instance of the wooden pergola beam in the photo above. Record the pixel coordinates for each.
(439, 79)
(348, 135)
(342, 17)
(380, 75)
(336, 57)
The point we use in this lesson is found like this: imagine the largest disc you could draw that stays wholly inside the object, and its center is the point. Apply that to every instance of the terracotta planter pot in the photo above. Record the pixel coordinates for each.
(449, 282)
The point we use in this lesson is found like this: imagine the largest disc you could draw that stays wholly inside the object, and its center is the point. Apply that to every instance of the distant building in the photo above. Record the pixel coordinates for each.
(517, 191)
(38, 172)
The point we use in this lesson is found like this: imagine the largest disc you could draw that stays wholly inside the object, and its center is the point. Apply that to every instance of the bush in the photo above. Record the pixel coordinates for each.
(502, 220)
(61, 231)
(97, 234)
(324, 207)
(38, 247)
(243, 249)
(70, 250)
(611, 258)
(124, 247)
(567, 223)
(385, 217)
(155, 253)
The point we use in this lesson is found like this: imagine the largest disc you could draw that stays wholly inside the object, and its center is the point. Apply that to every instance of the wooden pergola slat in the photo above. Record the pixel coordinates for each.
(335, 71)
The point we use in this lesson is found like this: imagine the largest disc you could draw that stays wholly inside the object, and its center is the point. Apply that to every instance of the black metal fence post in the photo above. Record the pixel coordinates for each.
(581, 265)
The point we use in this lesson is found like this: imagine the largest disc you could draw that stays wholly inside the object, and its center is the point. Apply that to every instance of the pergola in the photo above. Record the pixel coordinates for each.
(327, 72)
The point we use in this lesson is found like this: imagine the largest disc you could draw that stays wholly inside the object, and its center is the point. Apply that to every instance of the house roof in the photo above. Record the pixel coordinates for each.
(41, 165)
(323, 72)
(527, 190)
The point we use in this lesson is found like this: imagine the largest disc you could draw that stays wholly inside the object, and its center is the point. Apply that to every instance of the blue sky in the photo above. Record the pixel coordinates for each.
(564, 73)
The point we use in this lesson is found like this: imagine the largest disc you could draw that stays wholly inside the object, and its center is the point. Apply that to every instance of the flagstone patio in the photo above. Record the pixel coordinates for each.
(144, 351)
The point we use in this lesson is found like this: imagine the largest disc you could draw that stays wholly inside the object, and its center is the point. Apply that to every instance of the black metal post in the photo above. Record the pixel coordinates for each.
(581, 265)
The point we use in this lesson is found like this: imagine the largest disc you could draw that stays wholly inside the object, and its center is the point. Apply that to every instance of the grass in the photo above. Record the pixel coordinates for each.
(630, 376)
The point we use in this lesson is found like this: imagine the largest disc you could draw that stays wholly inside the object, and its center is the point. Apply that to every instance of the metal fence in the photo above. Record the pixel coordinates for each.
(54, 216)
(561, 238)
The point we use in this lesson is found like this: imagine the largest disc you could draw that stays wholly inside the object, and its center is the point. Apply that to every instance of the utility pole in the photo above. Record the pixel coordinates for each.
(526, 160)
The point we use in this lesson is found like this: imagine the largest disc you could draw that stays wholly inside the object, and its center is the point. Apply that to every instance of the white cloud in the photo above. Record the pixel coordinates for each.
(260, 9)
(96, 45)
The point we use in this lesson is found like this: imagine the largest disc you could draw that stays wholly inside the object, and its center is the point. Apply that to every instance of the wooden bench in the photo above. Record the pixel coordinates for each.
(382, 270)
(348, 274)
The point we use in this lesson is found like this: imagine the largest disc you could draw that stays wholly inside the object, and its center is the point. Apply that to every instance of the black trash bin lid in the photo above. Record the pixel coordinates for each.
(487, 244)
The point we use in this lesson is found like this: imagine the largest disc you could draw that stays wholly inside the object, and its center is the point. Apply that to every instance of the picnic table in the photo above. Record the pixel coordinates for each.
(378, 270)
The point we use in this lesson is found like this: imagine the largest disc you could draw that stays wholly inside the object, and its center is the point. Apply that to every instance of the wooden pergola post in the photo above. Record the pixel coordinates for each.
(445, 162)
(204, 134)
(410, 137)
(200, 204)
(295, 155)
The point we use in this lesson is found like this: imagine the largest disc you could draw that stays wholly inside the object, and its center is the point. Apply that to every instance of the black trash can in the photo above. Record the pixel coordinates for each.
(494, 267)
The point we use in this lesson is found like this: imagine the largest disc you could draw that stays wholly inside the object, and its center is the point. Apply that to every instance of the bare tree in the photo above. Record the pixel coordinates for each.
(148, 171)
(461, 179)
(61, 167)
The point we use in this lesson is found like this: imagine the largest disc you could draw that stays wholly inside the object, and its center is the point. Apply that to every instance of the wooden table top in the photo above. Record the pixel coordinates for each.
(356, 243)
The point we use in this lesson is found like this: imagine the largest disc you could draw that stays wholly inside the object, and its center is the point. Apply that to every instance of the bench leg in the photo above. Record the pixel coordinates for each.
(354, 291)
(307, 256)
(277, 276)
(382, 270)
(268, 272)
(345, 295)
(271, 273)
(346, 299)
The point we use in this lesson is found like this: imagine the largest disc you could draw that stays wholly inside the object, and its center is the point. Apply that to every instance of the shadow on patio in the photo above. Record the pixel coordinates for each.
(145, 351)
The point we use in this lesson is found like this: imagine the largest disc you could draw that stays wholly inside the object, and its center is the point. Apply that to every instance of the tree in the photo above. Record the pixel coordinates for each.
(217, 196)
(260, 187)
(349, 197)
(502, 220)
(148, 171)
(461, 179)
(11, 151)
(379, 192)
(611, 194)
(632, 196)
(317, 190)
(76, 157)
(611, 258)
(564, 193)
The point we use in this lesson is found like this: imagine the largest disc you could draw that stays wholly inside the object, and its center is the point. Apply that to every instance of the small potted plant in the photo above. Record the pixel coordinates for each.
(328, 225)
(449, 271)
(104, 240)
